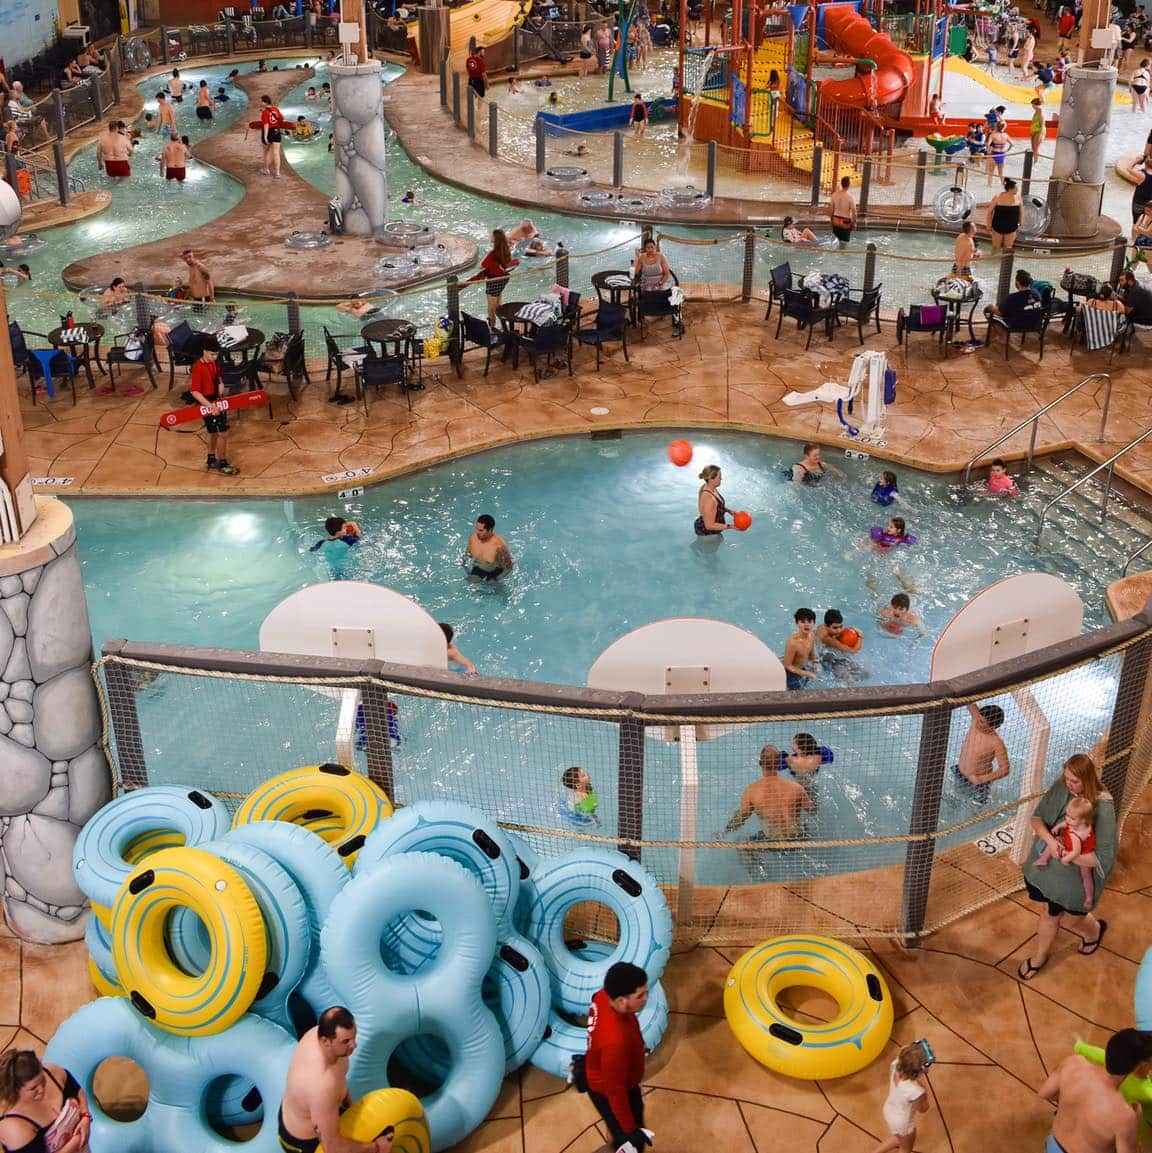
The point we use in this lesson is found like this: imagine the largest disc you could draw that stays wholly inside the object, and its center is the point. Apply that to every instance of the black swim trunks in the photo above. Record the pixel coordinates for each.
(214, 422)
(486, 574)
(290, 1143)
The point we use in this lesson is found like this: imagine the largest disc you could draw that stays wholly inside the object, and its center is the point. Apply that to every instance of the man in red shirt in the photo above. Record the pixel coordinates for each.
(477, 70)
(206, 388)
(1066, 25)
(614, 1064)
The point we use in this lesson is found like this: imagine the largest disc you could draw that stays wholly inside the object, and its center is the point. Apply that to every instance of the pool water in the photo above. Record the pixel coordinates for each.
(602, 536)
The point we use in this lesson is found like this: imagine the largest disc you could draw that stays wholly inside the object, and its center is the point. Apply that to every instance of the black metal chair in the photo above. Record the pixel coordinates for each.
(342, 359)
(781, 278)
(184, 347)
(861, 311)
(802, 306)
(914, 321)
(377, 372)
(653, 305)
(472, 332)
(611, 326)
(1032, 320)
(547, 341)
(133, 349)
(284, 356)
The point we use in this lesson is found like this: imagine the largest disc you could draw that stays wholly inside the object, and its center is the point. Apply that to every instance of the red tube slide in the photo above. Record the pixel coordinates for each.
(848, 32)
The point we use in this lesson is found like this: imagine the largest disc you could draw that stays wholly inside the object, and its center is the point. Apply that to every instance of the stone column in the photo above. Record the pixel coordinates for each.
(53, 772)
(358, 125)
(1085, 114)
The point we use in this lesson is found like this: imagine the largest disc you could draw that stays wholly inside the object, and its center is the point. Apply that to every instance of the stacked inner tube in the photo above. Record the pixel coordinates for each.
(635, 203)
(685, 198)
(217, 942)
(1035, 216)
(567, 176)
(597, 198)
(953, 205)
(404, 234)
(308, 240)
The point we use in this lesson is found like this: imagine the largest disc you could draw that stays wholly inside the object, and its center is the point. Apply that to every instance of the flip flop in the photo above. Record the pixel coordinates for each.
(1087, 948)
(1027, 971)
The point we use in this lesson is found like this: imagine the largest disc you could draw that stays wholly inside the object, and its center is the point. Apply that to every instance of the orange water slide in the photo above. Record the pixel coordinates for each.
(848, 32)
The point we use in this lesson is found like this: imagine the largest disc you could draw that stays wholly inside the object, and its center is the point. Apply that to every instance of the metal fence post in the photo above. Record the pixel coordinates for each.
(456, 98)
(561, 265)
(10, 173)
(308, 32)
(58, 109)
(444, 82)
(97, 97)
(493, 129)
(869, 267)
(140, 304)
(230, 37)
(1004, 282)
(1126, 717)
(62, 189)
(165, 51)
(378, 751)
(1119, 258)
(817, 164)
(865, 187)
(120, 681)
(710, 177)
(921, 177)
(749, 264)
(931, 761)
(617, 159)
(292, 307)
(541, 147)
(453, 287)
(630, 779)
(1026, 175)
(470, 110)
(114, 77)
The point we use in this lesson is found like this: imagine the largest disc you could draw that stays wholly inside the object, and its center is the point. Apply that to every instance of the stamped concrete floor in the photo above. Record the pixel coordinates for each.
(996, 1039)
(726, 371)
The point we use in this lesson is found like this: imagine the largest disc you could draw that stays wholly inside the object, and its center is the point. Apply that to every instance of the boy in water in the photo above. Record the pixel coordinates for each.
(982, 747)
(831, 635)
(338, 528)
(454, 654)
(583, 802)
(800, 651)
(899, 616)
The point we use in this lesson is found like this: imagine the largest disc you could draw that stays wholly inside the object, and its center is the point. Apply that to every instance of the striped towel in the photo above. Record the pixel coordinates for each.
(618, 281)
(1100, 327)
(537, 313)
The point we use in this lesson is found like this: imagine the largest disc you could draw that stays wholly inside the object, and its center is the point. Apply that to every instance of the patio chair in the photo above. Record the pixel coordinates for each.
(931, 318)
(653, 305)
(547, 341)
(861, 311)
(611, 325)
(284, 356)
(801, 306)
(342, 359)
(184, 347)
(781, 278)
(472, 332)
(133, 349)
(377, 372)
(1033, 320)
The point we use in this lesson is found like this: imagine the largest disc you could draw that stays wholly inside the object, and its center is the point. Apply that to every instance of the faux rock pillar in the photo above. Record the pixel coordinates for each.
(1085, 114)
(358, 126)
(53, 772)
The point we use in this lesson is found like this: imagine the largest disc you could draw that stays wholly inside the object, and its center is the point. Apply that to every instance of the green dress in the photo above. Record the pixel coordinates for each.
(1061, 883)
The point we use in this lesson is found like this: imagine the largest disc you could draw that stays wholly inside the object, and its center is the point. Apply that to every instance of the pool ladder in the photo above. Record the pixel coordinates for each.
(1034, 421)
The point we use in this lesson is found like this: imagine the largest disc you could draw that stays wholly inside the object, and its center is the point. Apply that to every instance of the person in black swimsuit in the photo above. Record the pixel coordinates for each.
(1004, 216)
(812, 470)
(712, 520)
(45, 1106)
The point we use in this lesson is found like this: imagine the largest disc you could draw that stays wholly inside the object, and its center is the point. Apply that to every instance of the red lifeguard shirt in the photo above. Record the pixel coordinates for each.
(475, 66)
(206, 379)
(615, 1060)
(271, 117)
(1067, 24)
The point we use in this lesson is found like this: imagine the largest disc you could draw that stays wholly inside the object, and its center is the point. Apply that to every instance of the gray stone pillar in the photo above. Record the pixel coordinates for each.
(53, 772)
(1078, 170)
(358, 125)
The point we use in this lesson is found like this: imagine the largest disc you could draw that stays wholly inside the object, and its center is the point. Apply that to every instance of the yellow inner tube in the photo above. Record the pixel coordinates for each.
(851, 1041)
(378, 1110)
(178, 1002)
(337, 804)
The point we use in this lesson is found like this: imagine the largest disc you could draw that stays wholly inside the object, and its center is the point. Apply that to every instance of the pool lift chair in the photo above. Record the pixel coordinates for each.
(869, 371)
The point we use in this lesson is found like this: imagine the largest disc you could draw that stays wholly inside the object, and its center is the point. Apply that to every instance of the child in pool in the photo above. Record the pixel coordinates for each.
(999, 482)
(800, 650)
(833, 635)
(312, 94)
(805, 759)
(983, 747)
(409, 197)
(583, 802)
(896, 533)
(907, 1096)
(454, 654)
(338, 528)
(1078, 835)
(886, 490)
(898, 616)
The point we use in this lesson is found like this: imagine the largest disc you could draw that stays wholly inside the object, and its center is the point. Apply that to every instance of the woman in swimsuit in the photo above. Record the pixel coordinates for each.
(1138, 86)
(47, 1111)
(712, 520)
(1004, 211)
(587, 54)
(999, 145)
(812, 470)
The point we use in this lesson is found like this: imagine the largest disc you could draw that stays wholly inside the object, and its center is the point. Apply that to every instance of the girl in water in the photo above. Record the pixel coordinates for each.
(712, 520)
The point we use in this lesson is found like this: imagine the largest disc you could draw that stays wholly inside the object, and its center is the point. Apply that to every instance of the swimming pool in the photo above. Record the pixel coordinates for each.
(601, 532)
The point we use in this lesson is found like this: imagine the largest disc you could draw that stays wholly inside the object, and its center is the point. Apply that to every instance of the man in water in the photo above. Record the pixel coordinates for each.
(983, 747)
(316, 1090)
(113, 150)
(1091, 1115)
(487, 551)
(775, 800)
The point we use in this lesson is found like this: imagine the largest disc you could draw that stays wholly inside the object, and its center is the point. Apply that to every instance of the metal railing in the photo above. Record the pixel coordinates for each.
(1108, 467)
(1135, 556)
(1034, 421)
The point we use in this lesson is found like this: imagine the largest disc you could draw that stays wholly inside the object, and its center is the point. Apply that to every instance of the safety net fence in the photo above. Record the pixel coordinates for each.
(883, 833)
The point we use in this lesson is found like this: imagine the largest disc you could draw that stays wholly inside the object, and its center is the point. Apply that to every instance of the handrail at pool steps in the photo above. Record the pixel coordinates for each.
(1109, 468)
(499, 742)
(1034, 421)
